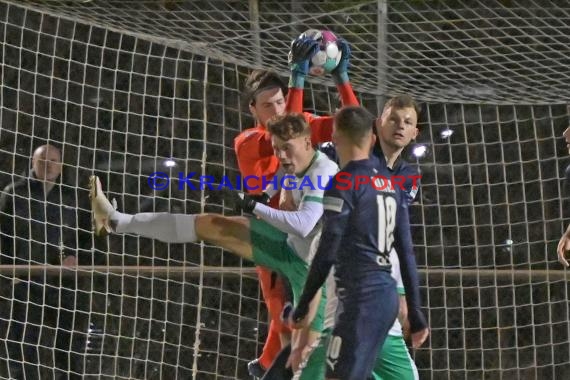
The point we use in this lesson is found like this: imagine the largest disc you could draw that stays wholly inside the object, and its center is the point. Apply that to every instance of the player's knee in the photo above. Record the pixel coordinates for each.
(230, 233)
(210, 226)
(204, 225)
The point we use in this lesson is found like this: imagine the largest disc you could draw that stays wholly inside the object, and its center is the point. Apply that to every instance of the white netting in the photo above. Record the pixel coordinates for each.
(468, 51)
(123, 87)
(490, 218)
(121, 106)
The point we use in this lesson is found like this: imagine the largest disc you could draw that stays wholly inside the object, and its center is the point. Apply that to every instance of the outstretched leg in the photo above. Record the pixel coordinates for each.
(230, 233)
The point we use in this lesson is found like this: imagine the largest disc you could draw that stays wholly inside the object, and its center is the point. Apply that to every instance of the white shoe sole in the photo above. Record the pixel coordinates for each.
(99, 213)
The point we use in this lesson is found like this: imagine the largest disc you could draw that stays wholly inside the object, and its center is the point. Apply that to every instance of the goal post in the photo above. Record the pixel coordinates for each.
(130, 88)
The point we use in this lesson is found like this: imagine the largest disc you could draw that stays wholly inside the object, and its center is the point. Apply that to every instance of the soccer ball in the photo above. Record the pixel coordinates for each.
(328, 56)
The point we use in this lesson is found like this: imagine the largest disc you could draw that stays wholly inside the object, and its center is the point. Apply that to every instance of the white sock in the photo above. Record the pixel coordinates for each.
(169, 228)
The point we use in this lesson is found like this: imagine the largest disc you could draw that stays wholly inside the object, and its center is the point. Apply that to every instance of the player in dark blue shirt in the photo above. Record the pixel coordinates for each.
(396, 128)
(363, 220)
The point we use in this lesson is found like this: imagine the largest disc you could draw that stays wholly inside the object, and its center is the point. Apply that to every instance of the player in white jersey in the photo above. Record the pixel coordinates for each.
(307, 188)
(283, 241)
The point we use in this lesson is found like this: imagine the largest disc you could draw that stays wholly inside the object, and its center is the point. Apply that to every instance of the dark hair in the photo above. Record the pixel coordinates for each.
(261, 80)
(288, 126)
(354, 122)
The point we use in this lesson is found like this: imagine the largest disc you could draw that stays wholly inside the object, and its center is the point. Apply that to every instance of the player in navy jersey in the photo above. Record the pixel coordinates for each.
(358, 238)
(396, 128)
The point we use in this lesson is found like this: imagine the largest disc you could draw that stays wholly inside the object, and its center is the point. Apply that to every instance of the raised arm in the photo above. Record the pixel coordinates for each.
(340, 76)
(321, 126)
(302, 50)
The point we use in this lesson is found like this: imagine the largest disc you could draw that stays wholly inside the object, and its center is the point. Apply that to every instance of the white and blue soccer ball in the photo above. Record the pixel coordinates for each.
(328, 56)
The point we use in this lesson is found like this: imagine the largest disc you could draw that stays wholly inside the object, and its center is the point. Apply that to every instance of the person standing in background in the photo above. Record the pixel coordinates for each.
(41, 223)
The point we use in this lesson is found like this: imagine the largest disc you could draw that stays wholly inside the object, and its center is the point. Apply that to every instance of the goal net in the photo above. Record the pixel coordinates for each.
(129, 88)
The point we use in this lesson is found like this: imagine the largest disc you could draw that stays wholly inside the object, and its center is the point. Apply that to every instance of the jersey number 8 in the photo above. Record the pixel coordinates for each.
(386, 222)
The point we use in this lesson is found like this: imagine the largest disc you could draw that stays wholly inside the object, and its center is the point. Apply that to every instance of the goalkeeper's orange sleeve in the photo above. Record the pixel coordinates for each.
(347, 96)
(294, 100)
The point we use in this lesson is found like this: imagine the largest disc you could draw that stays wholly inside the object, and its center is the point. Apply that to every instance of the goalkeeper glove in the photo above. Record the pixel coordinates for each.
(302, 50)
(340, 73)
(246, 202)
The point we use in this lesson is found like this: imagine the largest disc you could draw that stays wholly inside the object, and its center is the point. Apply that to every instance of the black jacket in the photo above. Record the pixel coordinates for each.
(37, 229)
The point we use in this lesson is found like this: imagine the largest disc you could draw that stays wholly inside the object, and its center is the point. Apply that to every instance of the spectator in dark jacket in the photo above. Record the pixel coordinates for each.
(41, 223)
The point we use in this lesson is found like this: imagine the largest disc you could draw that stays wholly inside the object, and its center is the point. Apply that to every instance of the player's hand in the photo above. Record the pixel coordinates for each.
(246, 202)
(419, 337)
(563, 246)
(302, 50)
(340, 73)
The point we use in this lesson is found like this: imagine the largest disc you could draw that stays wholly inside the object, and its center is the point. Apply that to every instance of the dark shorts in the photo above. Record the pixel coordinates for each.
(364, 319)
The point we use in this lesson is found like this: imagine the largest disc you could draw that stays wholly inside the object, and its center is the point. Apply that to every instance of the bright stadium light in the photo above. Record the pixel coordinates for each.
(419, 151)
(169, 163)
(446, 133)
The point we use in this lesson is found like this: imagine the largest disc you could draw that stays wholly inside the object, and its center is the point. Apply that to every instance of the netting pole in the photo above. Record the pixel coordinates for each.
(381, 21)
(199, 323)
(255, 30)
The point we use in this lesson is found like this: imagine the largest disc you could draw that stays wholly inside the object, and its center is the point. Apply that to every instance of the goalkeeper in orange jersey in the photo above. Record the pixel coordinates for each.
(265, 93)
